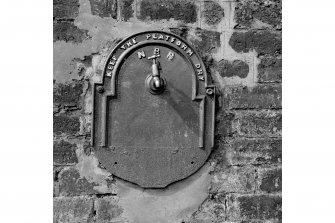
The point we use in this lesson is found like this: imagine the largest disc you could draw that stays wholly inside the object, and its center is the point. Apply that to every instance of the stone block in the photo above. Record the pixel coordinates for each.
(263, 41)
(248, 12)
(184, 10)
(244, 151)
(265, 123)
(65, 9)
(205, 41)
(127, 11)
(74, 210)
(259, 97)
(260, 207)
(68, 94)
(108, 210)
(270, 70)
(236, 68)
(64, 153)
(104, 8)
(234, 179)
(212, 13)
(270, 180)
(68, 32)
(71, 184)
(65, 124)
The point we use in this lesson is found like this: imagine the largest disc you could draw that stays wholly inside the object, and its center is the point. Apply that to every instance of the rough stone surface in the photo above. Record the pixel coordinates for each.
(104, 8)
(185, 11)
(107, 210)
(224, 127)
(126, 9)
(205, 41)
(66, 124)
(260, 97)
(258, 124)
(264, 42)
(181, 31)
(270, 180)
(213, 12)
(234, 180)
(71, 184)
(270, 70)
(240, 43)
(68, 94)
(64, 153)
(237, 68)
(243, 151)
(56, 171)
(65, 9)
(74, 210)
(68, 32)
(266, 11)
(260, 207)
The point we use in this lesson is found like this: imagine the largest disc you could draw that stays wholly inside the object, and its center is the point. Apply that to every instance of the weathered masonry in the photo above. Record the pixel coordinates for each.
(167, 111)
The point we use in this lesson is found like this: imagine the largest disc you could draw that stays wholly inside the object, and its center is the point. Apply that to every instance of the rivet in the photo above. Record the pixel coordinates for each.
(209, 91)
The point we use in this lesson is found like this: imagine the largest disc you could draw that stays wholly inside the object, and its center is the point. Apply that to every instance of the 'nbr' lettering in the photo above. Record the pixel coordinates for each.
(141, 54)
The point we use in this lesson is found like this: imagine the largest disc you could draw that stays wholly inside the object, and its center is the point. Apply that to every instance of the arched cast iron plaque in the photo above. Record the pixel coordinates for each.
(153, 133)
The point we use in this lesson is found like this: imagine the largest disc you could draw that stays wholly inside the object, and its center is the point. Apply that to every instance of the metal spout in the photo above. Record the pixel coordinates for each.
(156, 75)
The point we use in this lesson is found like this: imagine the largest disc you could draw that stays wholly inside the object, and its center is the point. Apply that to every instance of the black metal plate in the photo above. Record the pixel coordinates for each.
(153, 140)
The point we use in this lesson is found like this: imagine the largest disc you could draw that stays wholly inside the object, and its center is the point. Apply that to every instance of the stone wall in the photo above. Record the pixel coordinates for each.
(240, 43)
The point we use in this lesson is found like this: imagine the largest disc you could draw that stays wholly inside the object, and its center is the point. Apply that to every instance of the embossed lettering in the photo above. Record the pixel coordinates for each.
(184, 47)
(167, 37)
(170, 55)
(161, 37)
(154, 36)
(148, 36)
(156, 51)
(129, 44)
(198, 66)
(201, 78)
(178, 43)
(200, 72)
(172, 39)
(112, 62)
(134, 40)
(189, 52)
(141, 54)
(109, 73)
